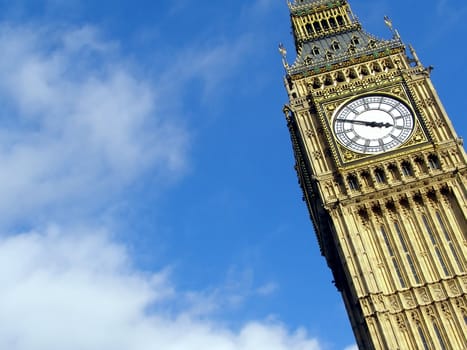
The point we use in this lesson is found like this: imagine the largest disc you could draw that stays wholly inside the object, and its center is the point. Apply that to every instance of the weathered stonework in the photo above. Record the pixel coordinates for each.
(391, 225)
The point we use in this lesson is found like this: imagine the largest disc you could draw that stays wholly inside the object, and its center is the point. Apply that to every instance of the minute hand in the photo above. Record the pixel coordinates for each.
(370, 124)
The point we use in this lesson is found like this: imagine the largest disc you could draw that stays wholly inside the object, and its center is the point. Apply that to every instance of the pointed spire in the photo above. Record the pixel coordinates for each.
(388, 22)
(415, 58)
(283, 52)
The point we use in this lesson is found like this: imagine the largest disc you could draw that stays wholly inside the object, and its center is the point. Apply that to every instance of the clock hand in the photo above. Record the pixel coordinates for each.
(365, 123)
(379, 125)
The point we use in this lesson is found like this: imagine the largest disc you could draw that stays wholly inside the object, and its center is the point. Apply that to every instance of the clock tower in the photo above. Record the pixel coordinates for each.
(383, 174)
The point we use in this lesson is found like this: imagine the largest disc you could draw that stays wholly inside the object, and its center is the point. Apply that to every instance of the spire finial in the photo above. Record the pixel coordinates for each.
(283, 52)
(415, 58)
(388, 22)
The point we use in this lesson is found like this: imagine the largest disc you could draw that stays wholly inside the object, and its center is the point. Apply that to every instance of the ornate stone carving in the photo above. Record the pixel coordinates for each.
(423, 296)
(415, 316)
(394, 302)
(428, 102)
(409, 300)
(378, 302)
(401, 322)
(318, 87)
(454, 289)
(366, 306)
(438, 292)
(430, 312)
(464, 283)
(310, 133)
(317, 155)
(445, 308)
(440, 122)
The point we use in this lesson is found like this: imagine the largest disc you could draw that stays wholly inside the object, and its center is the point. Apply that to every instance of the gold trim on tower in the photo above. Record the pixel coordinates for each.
(391, 224)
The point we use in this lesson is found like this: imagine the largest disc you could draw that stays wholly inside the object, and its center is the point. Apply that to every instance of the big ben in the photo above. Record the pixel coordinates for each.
(383, 174)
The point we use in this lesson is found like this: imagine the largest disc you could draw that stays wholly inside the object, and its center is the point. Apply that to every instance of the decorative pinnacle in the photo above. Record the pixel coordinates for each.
(415, 59)
(388, 22)
(283, 52)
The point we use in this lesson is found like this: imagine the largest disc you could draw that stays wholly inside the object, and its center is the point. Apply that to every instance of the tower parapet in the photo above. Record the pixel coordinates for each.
(327, 32)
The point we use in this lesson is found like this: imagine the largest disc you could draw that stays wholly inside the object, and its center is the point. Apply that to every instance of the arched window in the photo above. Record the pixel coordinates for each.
(421, 164)
(433, 162)
(335, 45)
(435, 245)
(309, 28)
(353, 182)
(332, 22)
(353, 74)
(325, 24)
(439, 335)
(355, 40)
(316, 83)
(394, 171)
(376, 68)
(364, 70)
(340, 77)
(328, 80)
(393, 257)
(317, 27)
(388, 64)
(447, 236)
(422, 336)
(406, 169)
(315, 51)
(366, 178)
(405, 248)
(380, 176)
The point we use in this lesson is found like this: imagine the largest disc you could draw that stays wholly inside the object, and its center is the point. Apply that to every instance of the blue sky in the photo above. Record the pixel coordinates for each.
(148, 194)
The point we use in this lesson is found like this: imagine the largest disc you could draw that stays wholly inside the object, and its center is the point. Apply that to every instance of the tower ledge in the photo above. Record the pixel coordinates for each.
(316, 4)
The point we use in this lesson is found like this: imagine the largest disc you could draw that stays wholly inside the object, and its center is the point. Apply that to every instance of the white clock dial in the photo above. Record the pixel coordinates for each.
(373, 124)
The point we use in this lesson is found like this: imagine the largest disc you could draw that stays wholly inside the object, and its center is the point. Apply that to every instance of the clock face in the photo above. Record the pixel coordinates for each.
(373, 124)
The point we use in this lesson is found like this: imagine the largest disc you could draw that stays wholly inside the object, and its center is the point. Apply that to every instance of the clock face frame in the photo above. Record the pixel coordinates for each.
(373, 124)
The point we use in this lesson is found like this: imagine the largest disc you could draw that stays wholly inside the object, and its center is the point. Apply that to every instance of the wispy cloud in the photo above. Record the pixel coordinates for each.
(353, 347)
(449, 12)
(210, 64)
(77, 121)
(238, 287)
(80, 124)
(449, 16)
(79, 290)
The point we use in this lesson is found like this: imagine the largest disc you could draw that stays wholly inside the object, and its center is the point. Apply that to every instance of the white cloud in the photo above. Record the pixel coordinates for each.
(78, 125)
(352, 347)
(238, 287)
(76, 122)
(209, 63)
(261, 7)
(79, 290)
(267, 289)
(450, 12)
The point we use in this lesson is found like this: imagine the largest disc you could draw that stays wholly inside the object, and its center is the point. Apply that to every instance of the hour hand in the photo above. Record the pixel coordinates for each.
(366, 123)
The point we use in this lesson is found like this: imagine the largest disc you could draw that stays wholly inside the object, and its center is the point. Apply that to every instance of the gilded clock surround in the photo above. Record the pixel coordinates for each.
(373, 124)
(392, 225)
(343, 155)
